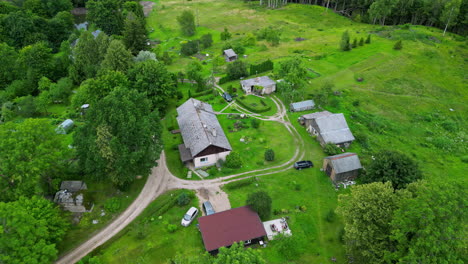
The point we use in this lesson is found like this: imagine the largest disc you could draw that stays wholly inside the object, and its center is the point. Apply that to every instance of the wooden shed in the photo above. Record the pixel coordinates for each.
(342, 167)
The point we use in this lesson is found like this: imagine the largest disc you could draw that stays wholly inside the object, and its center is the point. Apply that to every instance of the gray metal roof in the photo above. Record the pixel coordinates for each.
(96, 33)
(303, 104)
(260, 81)
(345, 162)
(200, 127)
(83, 25)
(67, 124)
(316, 115)
(333, 128)
(73, 186)
(185, 154)
(230, 53)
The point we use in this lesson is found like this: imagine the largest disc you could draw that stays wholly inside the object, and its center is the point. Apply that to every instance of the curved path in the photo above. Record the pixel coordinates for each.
(162, 180)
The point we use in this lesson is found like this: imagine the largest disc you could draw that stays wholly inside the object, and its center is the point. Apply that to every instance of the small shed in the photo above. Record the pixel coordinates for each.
(65, 127)
(229, 55)
(71, 197)
(302, 106)
(342, 167)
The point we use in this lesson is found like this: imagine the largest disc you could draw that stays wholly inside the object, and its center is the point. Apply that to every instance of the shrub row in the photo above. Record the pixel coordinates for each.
(261, 67)
(200, 94)
(224, 79)
(253, 109)
(239, 184)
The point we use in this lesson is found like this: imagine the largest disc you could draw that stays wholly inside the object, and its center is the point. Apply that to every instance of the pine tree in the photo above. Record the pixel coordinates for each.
(368, 40)
(355, 43)
(345, 45)
(398, 45)
(134, 35)
(361, 42)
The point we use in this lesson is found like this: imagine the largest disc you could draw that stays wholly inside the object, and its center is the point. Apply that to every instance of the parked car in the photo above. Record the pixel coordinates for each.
(227, 97)
(303, 164)
(189, 216)
(208, 208)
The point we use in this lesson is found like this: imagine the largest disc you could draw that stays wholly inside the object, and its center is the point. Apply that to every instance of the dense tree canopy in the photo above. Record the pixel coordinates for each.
(152, 78)
(117, 57)
(260, 202)
(392, 166)
(187, 23)
(106, 14)
(30, 153)
(121, 137)
(29, 230)
(134, 34)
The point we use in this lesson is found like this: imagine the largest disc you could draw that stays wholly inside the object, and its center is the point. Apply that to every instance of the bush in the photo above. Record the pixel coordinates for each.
(398, 45)
(290, 247)
(269, 155)
(255, 123)
(260, 202)
(239, 184)
(331, 149)
(233, 161)
(112, 205)
(236, 70)
(203, 93)
(206, 41)
(225, 35)
(224, 80)
(189, 48)
(171, 228)
(330, 217)
(183, 199)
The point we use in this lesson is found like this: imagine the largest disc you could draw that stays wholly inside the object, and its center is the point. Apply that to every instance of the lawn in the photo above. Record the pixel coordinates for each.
(148, 240)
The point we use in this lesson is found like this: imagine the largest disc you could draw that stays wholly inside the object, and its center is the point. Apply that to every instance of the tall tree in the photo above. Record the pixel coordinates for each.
(430, 226)
(29, 230)
(20, 27)
(120, 139)
(367, 212)
(86, 58)
(187, 23)
(344, 44)
(59, 28)
(117, 57)
(36, 60)
(106, 14)
(392, 166)
(152, 78)
(8, 71)
(30, 154)
(293, 71)
(134, 34)
(450, 12)
(381, 9)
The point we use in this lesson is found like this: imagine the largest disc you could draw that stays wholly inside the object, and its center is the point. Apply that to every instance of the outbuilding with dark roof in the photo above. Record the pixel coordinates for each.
(225, 228)
(342, 167)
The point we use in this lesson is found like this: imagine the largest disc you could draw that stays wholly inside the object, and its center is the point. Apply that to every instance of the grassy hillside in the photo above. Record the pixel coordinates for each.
(412, 100)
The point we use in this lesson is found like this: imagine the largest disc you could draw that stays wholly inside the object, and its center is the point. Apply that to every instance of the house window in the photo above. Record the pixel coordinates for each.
(204, 159)
(248, 242)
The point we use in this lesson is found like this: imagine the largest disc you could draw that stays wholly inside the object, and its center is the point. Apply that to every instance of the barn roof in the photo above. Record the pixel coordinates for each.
(260, 81)
(230, 53)
(316, 115)
(345, 162)
(333, 128)
(200, 127)
(225, 228)
(73, 186)
(303, 104)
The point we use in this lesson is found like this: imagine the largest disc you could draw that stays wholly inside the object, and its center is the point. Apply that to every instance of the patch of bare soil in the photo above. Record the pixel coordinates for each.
(78, 11)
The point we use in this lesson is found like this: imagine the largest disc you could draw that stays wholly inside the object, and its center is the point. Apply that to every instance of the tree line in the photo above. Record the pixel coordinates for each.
(444, 14)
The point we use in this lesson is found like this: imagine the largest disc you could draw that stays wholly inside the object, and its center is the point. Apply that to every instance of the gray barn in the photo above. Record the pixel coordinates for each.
(342, 167)
(302, 106)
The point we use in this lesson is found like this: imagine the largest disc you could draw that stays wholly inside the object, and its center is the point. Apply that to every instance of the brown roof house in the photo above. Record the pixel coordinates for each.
(229, 55)
(71, 197)
(225, 228)
(259, 85)
(342, 167)
(328, 127)
(204, 140)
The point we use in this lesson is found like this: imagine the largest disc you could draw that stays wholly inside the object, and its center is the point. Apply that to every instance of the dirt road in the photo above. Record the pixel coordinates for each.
(161, 180)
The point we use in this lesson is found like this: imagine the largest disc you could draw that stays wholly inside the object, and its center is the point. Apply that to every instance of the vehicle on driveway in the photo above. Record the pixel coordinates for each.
(227, 97)
(208, 208)
(303, 164)
(189, 216)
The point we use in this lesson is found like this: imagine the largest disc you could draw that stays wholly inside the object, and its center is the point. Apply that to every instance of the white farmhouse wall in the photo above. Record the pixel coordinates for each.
(211, 159)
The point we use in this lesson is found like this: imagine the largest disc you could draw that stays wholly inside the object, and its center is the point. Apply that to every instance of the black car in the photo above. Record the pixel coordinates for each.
(227, 97)
(303, 164)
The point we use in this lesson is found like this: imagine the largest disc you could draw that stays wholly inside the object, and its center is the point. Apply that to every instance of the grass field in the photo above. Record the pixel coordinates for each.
(412, 100)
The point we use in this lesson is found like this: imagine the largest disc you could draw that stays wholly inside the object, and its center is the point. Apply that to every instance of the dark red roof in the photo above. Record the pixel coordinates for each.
(235, 225)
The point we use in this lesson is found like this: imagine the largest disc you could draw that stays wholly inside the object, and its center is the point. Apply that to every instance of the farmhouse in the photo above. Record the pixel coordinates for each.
(204, 140)
(259, 85)
(229, 55)
(329, 128)
(225, 228)
(342, 167)
(302, 106)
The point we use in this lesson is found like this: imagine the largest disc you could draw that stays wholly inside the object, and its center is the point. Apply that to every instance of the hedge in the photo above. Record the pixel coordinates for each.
(261, 67)
(252, 109)
(200, 94)
(224, 79)
(239, 184)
